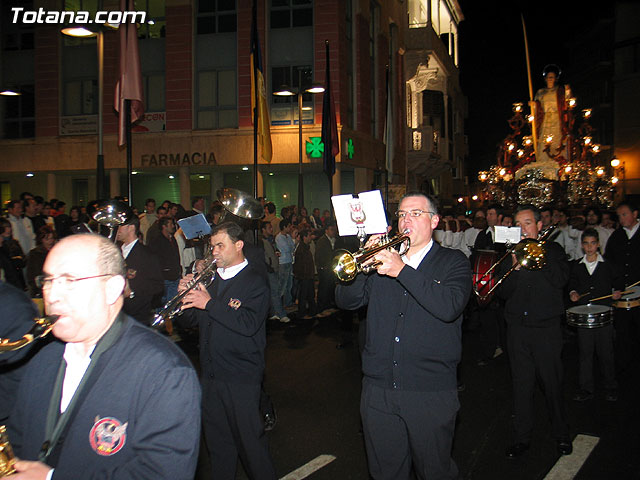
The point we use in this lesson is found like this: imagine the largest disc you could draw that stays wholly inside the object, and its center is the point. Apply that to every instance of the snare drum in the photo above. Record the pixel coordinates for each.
(629, 300)
(589, 316)
(483, 282)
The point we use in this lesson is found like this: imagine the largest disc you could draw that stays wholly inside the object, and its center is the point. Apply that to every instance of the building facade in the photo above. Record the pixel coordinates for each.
(197, 133)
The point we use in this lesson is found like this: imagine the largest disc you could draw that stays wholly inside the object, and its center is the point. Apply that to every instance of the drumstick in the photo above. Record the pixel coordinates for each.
(611, 295)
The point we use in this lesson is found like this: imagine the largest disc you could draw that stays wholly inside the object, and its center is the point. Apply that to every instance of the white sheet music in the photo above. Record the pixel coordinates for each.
(366, 210)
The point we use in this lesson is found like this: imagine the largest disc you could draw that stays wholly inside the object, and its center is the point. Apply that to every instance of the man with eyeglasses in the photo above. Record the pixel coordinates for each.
(112, 398)
(413, 345)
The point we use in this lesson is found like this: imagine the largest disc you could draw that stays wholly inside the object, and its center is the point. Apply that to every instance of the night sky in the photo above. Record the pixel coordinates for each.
(493, 65)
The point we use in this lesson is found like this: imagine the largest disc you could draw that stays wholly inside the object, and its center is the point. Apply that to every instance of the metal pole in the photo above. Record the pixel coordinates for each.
(127, 107)
(300, 181)
(100, 159)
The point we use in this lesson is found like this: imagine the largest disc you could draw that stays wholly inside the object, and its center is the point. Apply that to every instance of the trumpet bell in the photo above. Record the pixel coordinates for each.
(345, 266)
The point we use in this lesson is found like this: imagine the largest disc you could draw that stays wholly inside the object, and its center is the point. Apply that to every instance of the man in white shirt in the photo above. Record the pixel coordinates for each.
(102, 401)
(21, 227)
(148, 218)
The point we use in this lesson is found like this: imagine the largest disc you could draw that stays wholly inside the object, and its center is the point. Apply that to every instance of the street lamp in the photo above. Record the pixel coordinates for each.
(286, 91)
(618, 167)
(83, 32)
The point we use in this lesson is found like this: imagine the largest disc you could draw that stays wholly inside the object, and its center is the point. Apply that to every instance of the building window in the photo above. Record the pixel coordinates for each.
(156, 24)
(216, 16)
(217, 99)
(19, 117)
(16, 36)
(154, 98)
(80, 97)
(291, 13)
(295, 77)
(433, 110)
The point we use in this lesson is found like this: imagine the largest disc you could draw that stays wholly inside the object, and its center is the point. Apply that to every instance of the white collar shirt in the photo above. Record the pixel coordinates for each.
(631, 231)
(416, 259)
(230, 272)
(77, 365)
(126, 249)
(591, 266)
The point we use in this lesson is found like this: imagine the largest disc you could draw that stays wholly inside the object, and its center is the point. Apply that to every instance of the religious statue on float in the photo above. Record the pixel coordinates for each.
(549, 109)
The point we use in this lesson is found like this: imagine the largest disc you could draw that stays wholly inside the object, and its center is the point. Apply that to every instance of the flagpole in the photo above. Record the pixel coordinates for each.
(533, 124)
(255, 110)
(127, 106)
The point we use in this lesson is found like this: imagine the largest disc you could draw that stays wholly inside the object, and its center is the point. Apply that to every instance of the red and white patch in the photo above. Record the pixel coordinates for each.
(107, 436)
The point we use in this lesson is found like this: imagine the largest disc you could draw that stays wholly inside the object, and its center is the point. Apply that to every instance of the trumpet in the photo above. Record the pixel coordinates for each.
(41, 328)
(7, 458)
(347, 265)
(530, 254)
(173, 307)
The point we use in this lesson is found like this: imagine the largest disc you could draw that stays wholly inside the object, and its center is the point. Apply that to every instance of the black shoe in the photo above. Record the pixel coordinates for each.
(564, 447)
(611, 395)
(517, 450)
(270, 420)
(583, 396)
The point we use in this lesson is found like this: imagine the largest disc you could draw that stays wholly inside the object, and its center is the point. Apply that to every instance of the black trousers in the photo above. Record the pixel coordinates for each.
(326, 288)
(306, 297)
(598, 341)
(405, 431)
(234, 428)
(536, 353)
(627, 336)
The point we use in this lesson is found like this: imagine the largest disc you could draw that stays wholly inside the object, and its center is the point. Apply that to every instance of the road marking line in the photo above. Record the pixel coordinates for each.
(307, 469)
(568, 466)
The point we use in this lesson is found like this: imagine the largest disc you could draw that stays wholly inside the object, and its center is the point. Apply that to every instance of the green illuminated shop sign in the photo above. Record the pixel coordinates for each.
(315, 147)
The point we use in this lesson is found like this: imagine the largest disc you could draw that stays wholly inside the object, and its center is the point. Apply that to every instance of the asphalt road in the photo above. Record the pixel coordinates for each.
(315, 388)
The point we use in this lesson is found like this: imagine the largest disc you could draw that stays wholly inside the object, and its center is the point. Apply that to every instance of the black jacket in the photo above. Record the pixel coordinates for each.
(232, 327)
(534, 298)
(144, 384)
(624, 252)
(605, 277)
(145, 281)
(166, 251)
(413, 334)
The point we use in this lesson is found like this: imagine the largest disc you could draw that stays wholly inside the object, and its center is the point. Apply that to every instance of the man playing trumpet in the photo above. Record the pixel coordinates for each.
(415, 302)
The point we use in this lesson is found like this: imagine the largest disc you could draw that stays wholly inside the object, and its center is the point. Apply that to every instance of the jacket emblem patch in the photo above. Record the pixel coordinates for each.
(108, 435)
(235, 303)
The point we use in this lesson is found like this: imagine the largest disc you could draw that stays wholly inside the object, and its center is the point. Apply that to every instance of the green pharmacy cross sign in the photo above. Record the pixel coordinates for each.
(315, 147)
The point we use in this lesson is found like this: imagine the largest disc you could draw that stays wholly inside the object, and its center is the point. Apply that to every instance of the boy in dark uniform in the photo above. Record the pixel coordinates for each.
(597, 277)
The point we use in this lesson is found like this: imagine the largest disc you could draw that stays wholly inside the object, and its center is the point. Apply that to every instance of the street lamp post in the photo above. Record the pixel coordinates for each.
(82, 32)
(286, 91)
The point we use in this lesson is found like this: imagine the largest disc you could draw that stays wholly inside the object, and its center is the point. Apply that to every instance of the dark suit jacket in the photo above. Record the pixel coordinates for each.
(624, 252)
(605, 277)
(534, 298)
(146, 283)
(142, 382)
(413, 334)
(324, 253)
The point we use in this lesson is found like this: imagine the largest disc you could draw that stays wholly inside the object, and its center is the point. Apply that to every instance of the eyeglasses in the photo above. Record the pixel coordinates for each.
(64, 281)
(412, 213)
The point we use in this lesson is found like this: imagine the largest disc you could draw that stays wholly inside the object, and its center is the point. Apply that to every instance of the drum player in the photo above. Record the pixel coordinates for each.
(594, 277)
(623, 250)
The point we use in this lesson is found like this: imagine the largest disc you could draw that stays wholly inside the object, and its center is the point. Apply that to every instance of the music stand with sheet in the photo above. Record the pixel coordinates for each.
(360, 215)
(195, 226)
